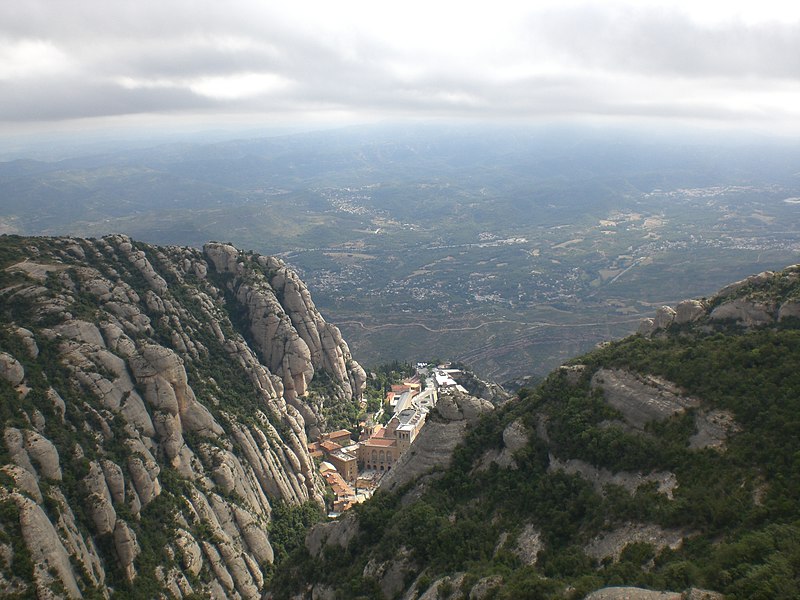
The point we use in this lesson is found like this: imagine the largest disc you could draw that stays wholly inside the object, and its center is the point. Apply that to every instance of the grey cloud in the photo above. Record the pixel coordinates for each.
(607, 59)
(64, 99)
(657, 42)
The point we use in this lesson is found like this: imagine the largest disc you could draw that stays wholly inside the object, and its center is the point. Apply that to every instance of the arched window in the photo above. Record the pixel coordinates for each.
(382, 457)
(374, 455)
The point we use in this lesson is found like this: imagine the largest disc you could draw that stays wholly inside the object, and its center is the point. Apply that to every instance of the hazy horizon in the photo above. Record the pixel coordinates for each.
(150, 69)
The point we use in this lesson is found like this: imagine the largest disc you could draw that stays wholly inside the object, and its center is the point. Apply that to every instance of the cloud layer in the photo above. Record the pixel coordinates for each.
(92, 58)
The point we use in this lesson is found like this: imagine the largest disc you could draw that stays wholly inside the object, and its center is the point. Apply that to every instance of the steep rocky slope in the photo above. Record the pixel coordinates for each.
(664, 461)
(155, 407)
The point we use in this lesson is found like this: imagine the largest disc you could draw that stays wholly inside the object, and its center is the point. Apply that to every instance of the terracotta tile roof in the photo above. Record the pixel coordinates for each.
(338, 433)
(380, 442)
(338, 485)
(330, 446)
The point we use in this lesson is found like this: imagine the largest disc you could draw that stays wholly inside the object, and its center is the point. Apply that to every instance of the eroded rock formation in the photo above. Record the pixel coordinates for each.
(747, 303)
(162, 390)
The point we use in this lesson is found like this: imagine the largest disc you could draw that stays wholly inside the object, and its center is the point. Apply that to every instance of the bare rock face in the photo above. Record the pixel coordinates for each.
(155, 387)
(753, 281)
(81, 331)
(160, 373)
(713, 429)
(485, 587)
(43, 453)
(515, 437)
(747, 312)
(456, 406)
(752, 302)
(789, 309)
(391, 575)
(440, 587)
(689, 311)
(10, 369)
(15, 444)
(647, 327)
(24, 480)
(664, 317)
(640, 400)
(336, 533)
(127, 548)
(99, 502)
(191, 554)
(286, 327)
(665, 481)
(435, 444)
(611, 544)
(529, 544)
(50, 558)
(28, 341)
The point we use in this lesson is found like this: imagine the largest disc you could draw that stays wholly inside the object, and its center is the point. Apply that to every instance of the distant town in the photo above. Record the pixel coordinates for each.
(354, 468)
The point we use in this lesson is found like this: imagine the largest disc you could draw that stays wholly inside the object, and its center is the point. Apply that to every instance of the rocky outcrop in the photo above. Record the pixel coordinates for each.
(756, 301)
(689, 311)
(435, 444)
(713, 428)
(640, 399)
(631, 593)
(99, 502)
(127, 548)
(515, 437)
(611, 544)
(169, 398)
(290, 334)
(50, 557)
(744, 311)
(486, 390)
(665, 481)
(391, 575)
(10, 369)
(789, 310)
(529, 544)
(337, 533)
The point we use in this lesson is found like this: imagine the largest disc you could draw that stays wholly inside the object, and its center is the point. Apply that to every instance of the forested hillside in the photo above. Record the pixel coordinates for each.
(669, 460)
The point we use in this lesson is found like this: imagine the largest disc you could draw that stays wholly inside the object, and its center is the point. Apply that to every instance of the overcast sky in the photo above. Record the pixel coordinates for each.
(105, 62)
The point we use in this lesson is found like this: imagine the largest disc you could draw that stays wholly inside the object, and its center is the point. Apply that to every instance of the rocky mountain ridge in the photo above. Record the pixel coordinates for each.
(763, 299)
(663, 461)
(156, 404)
